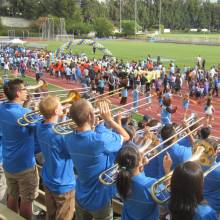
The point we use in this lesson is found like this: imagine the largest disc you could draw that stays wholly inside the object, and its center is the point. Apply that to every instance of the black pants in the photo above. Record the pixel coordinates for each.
(123, 100)
(215, 90)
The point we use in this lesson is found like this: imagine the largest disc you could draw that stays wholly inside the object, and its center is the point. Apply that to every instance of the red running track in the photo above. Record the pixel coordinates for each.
(153, 109)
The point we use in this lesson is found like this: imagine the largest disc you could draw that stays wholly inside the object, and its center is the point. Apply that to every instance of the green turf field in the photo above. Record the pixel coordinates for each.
(137, 50)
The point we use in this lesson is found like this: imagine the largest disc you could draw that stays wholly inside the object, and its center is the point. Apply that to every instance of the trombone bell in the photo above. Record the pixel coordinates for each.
(203, 153)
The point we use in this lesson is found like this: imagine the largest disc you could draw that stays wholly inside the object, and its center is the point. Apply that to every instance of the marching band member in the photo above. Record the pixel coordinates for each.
(91, 150)
(178, 153)
(167, 110)
(2, 174)
(134, 187)
(57, 173)
(186, 200)
(212, 183)
(18, 151)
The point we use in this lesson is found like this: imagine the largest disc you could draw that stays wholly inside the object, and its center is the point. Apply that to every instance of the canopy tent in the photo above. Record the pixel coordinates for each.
(17, 41)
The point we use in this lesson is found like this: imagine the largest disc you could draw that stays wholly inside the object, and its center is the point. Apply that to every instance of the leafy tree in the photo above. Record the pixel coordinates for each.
(103, 27)
(78, 28)
(128, 27)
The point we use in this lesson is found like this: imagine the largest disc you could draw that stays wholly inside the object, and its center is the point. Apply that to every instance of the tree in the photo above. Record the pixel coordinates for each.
(128, 27)
(103, 27)
(78, 28)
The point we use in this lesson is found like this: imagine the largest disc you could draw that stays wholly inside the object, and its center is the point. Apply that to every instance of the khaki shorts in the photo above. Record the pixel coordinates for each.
(60, 206)
(3, 185)
(24, 184)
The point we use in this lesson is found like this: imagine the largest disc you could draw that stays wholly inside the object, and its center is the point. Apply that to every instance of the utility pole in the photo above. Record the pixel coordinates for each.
(120, 8)
(135, 16)
(160, 7)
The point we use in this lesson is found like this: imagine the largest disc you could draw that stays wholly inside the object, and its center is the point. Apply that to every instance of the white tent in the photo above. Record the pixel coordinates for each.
(17, 41)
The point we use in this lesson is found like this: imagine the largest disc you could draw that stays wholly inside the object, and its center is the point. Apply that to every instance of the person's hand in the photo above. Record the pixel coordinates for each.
(167, 163)
(118, 117)
(105, 112)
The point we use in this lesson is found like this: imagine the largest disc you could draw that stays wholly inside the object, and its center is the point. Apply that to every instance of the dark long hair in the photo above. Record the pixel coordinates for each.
(186, 190)
(128, 159)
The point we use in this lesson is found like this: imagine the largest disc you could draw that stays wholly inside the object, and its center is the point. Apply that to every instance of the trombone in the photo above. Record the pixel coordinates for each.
(204, 154)
(41, 83)
(35, 116)
(59, 90)
(68, 126)
(114, 92)
(109, 176)
(189, 120)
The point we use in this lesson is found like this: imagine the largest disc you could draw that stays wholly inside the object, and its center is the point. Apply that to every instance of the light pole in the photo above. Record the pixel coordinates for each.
(120, 16)
(160, 6)
(135, 16)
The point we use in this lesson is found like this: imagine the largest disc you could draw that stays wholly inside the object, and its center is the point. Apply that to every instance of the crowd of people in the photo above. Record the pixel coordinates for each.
(72, 163)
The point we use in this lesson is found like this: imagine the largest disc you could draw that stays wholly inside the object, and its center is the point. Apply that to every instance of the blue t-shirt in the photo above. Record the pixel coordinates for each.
(140, 205)
(1, 159)
(165, 116)
(17, 142)
(186, 104)
(178, 154)
(101, 83)
(57, 173)
(185, 142)
(124, 92)
(92, 153)
(212, 188)
(151, 169)
(205, 212)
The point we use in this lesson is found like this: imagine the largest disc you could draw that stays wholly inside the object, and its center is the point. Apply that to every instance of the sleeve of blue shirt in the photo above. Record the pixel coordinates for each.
(37, 148)
(184, 153)
(206, 213)
(64, 147)
(112, 141)
(185, 142)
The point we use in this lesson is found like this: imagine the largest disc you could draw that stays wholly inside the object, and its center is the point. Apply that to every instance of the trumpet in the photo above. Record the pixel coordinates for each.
(109, 176)
(35, 116)
(203, 153)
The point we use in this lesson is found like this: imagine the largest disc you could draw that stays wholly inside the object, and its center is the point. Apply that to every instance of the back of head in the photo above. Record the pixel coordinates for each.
(152, 123)
(204, 133)
(128, 159)
(12, 87)
(167, 132)
(186, 190)
(80, 112)
(48, 106)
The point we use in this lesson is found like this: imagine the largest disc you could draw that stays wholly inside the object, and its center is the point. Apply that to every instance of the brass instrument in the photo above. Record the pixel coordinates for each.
(41, 84)
(203, 153)
(189, 120)
(35, 116)
(59, 90)
(67, 127)
(109, 176)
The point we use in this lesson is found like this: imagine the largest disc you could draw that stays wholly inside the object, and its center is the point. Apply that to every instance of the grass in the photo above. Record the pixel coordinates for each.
(191, 35)
(183, 54)
(138, 50)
